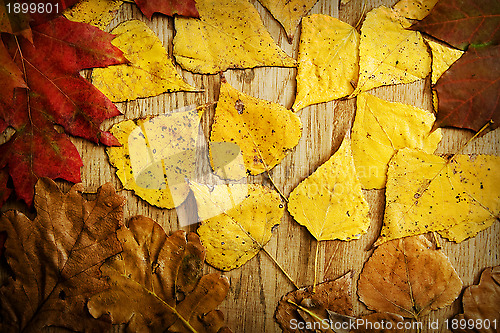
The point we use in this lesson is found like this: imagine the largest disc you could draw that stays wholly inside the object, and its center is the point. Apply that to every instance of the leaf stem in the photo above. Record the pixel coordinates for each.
(471, 139)
(362, 14)
(280, 267)
(274, 184)
(436, 240)
(315, 267)
(312, 314)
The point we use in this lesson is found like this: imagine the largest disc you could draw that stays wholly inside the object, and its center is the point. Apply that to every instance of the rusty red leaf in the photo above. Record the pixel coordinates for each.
(168, 7)
(15, 20)
(468, 92)
(463, 22)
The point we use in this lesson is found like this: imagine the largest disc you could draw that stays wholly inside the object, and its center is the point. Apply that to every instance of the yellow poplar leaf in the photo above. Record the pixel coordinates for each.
(388, 53)
(150, 71)
(456, 197)
(263, 130)
(242, 228)
(227, 160)
(414, 9)
(330, 202)
(98, 13)
(288, 12)
(228, 34)
(442, 58)
(156, 156)
(380, 129)
(328, 60)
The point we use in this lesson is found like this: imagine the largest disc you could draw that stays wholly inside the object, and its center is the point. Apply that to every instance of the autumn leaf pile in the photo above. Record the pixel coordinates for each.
(77, 265)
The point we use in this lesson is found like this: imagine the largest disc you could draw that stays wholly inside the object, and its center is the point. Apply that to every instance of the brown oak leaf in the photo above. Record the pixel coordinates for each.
(306, 311)
(55, 258)
(157, 283)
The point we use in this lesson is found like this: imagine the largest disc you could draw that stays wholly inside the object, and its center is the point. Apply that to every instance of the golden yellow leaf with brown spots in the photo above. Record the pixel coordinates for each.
(150, 71)
(243, 223)
(388, 53)
(328, 60)
(157, 155)
(443, 57)
(264, 131)
(414, 9)
(330, 202)
(98, 13)
(380, 129)
(288, 12)
(457, 197)
(228, 34)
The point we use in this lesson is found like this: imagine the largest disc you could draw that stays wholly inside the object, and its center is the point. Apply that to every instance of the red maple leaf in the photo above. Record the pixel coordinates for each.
(168, 7)
(468, 91)
(10, 78)
(56, 95)
(463, 22)
(16, 16)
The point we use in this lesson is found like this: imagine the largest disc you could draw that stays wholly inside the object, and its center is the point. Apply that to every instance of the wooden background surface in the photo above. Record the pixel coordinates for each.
(258, 285)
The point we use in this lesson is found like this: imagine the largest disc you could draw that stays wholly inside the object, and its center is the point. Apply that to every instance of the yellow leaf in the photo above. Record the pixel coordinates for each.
(442, 58)
(330, 202)
(414, 9)
(98, 13)
(328, 60)
(242, 228)
(263, 130)
(480, 176)
(388, 53)
(156, 156)
(457, 197)
(228, 34)
(150, 71)
(288, 12)
(380, 129)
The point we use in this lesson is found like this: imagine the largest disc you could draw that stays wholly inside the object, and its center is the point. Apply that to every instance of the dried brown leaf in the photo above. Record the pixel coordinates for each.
(303, 308)
(157, 283)
(408, 277)
(55, 258)
(481, 304)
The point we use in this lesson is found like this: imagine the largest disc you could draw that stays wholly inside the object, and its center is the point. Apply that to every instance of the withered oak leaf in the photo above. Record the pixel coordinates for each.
(56, 95)
(157, 283)
(468, 91)
(463, 22)
(55, 258)
(307, 306)
(168, 7)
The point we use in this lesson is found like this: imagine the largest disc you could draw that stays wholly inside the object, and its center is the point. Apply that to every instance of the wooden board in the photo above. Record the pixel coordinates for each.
(258, 285)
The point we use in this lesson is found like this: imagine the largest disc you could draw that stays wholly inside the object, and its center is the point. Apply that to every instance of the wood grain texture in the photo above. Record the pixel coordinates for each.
(257, 287)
